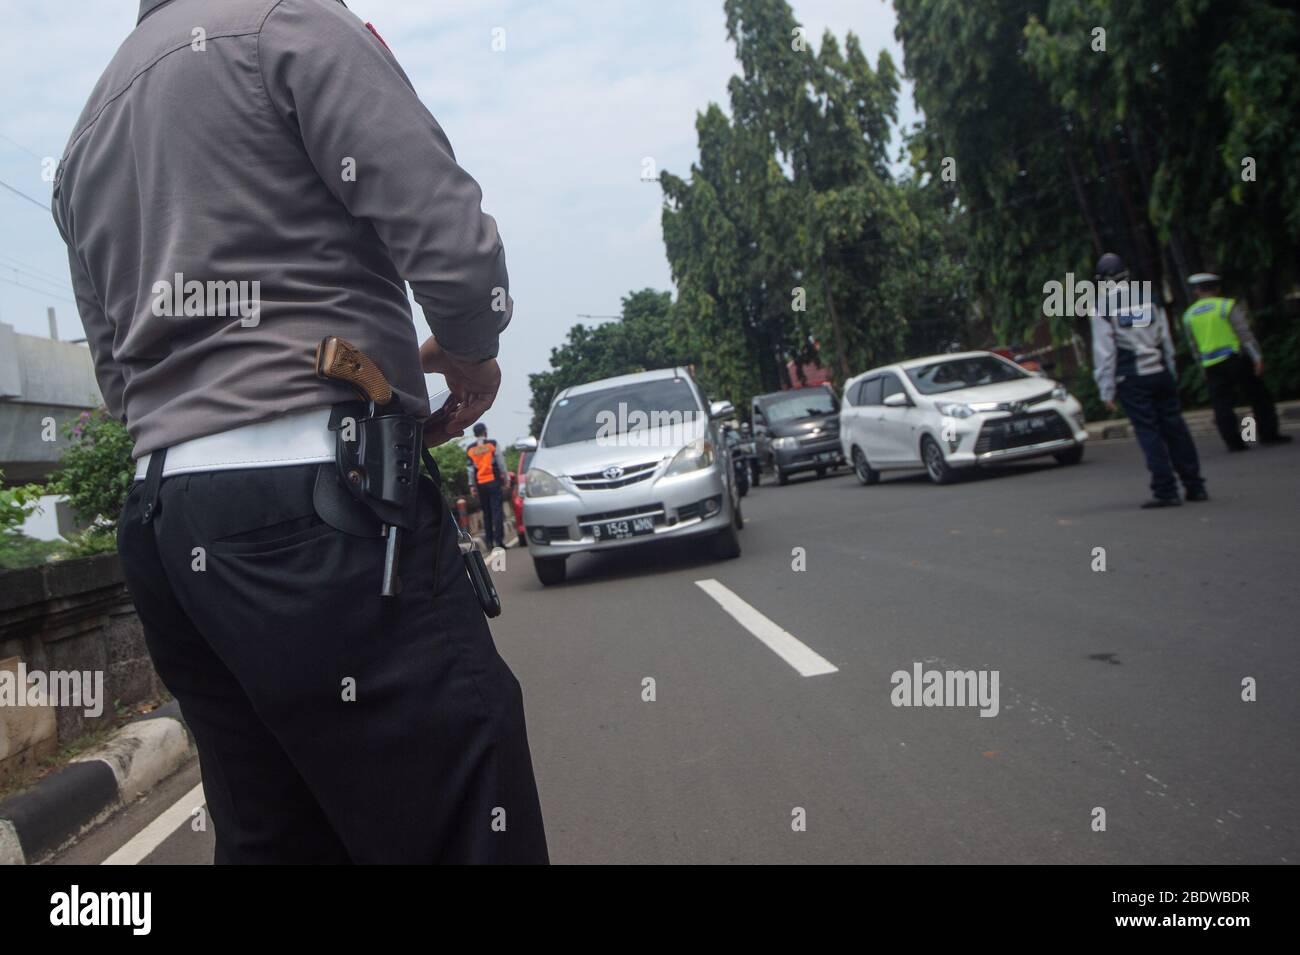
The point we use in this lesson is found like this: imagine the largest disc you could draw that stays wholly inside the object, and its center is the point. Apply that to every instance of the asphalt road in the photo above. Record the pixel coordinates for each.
(1119, 690)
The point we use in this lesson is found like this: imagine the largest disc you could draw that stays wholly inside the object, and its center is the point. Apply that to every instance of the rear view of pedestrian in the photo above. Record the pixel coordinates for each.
(1133, 360)
(1232, 360)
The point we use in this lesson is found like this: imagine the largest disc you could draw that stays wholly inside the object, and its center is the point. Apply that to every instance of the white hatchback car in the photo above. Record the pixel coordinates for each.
(948, 412)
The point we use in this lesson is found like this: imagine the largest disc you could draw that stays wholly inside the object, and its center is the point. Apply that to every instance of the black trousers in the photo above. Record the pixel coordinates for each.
(333, 725)
(489, 499)
(1151, 403)
(1224, 380)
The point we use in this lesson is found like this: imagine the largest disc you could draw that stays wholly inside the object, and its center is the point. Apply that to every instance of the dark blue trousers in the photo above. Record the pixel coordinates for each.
(494, 531)
(1151, 403)
(333, 725)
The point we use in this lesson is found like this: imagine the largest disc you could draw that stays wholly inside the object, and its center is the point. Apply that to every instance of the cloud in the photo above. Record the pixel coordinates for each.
(554, 128)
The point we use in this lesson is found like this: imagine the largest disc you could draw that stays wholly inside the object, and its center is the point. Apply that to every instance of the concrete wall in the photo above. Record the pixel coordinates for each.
(70, 616)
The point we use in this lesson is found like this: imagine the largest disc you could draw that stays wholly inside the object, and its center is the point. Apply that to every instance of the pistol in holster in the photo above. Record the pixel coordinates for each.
(377, 451)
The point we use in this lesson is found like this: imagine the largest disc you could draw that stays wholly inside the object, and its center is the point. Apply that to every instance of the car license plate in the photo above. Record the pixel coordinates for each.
(826, 456)
(618, 530)
(1025, 425)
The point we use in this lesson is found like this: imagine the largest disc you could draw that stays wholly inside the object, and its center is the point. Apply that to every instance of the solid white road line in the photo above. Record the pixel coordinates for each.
(784, 644)
(152, 836)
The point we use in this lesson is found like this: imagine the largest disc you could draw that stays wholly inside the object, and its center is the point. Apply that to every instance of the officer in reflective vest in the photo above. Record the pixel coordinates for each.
(487, 472)
(1231, 357)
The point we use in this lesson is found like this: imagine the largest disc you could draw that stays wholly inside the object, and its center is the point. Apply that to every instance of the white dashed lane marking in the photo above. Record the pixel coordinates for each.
(153, 835)
(781, 642)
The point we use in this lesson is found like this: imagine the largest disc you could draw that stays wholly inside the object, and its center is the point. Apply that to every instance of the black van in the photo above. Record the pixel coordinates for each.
(798, 430)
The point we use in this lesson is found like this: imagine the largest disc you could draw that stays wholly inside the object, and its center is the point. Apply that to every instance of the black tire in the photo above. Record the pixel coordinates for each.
(1070, 455)
(781, 477)
(935, 465)
(726, 543)
(821, 473)
(550, 570)
(862, 469)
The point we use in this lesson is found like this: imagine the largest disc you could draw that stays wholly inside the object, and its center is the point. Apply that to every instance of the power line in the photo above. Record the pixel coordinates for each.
(18, 145)
(42, 291)
(28, 267)
(35, 202)
(34, 276)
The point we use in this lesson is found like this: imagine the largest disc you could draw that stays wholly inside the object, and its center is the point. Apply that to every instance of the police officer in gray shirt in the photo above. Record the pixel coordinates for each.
(247, 178)
(1133, 360)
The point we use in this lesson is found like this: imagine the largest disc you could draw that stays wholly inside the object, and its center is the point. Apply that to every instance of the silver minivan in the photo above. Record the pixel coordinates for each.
(626, 460)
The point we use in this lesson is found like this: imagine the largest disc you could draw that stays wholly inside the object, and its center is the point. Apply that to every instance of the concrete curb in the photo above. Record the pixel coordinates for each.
(59, 807)
(1199, 421)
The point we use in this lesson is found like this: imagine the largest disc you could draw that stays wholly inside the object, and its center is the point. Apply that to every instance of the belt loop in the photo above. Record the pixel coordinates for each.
(152, 479)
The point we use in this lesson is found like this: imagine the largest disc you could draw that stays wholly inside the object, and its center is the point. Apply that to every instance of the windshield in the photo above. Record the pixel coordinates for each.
(941, 376)
(664, 402)
(805, 403)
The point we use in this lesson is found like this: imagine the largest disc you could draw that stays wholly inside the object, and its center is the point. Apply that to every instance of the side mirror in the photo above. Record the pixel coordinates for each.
(526, 444)
(721, 409)
(897, 400)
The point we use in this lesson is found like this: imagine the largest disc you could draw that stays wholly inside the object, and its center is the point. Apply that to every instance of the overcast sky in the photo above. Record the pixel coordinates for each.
(554, 128)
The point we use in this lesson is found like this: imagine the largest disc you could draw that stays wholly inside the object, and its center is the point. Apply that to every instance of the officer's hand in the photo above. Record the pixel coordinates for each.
(474, 384)
(438, 430)
(1110, 406)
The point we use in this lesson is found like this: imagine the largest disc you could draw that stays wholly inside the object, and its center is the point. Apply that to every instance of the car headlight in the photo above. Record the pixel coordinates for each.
(695, 456)
(785, 444)
(1059, 393)
(539, 483)
(953, 409)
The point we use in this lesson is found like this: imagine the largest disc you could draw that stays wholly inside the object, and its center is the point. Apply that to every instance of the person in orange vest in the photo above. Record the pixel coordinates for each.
(487, 474)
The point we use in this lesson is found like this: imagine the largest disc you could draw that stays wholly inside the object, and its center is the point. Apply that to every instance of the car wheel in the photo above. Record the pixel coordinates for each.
(726, 543)
(935, 465)
(1070, 455)
(737, 515)
(866, 474)
(821, 473)
(781, 477)
(550, 570)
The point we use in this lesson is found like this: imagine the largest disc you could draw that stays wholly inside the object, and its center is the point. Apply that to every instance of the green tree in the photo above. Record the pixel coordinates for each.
(791, 238)
(95, 474)
(1082, 126)
(16, 505)
(645, 337)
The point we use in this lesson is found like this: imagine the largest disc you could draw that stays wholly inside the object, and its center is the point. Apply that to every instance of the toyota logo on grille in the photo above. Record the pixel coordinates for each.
(612, 474)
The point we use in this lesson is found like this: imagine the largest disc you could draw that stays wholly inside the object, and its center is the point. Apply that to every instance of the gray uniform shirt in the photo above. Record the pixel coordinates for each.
(1241, 325)
(1129, 341)
(271, 160)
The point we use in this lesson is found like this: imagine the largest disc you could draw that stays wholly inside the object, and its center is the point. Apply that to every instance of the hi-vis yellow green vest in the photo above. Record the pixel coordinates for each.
(1215, 339)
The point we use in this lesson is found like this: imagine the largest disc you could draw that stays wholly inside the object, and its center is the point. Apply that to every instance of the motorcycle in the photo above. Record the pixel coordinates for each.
(744, 457)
